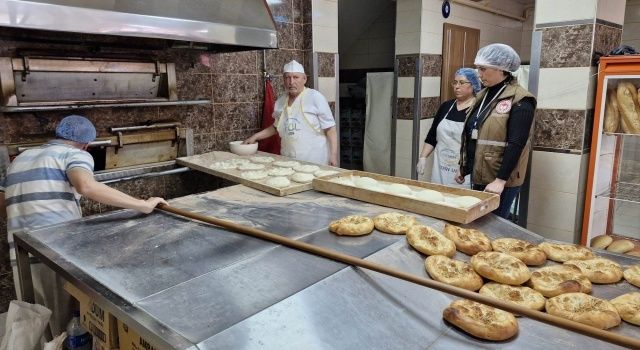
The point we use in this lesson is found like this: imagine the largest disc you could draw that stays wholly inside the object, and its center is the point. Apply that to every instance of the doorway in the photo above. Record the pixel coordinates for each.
(459, 47)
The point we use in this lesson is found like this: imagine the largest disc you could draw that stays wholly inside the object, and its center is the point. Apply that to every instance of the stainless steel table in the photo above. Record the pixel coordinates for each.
(187, 285)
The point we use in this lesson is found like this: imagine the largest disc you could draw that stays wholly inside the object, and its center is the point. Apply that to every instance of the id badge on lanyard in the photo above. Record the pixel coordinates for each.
(474, 130)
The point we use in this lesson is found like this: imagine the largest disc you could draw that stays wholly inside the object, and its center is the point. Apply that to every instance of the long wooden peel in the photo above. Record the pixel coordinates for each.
(443, 287)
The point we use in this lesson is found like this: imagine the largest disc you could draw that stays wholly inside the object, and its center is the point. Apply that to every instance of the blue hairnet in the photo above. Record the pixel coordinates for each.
(472, 77)
(498, 56)
(76, 128)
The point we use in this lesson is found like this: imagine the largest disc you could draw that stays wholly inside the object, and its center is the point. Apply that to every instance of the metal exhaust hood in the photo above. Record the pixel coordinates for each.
(225, 22)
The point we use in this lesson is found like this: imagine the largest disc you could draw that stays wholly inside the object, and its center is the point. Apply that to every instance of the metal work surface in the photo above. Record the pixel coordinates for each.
(217, 289)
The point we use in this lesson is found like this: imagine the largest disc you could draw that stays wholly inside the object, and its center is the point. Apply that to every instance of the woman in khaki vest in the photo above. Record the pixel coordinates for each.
(497, 135)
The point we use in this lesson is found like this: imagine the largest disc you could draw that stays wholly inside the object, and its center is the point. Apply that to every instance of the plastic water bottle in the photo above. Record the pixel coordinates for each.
(77, 337)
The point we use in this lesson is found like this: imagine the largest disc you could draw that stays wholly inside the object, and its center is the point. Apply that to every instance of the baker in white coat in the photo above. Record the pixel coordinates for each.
(304, 121)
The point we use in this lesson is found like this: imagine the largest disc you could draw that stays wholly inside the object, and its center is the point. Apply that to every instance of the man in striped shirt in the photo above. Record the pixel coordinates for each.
(43, 186)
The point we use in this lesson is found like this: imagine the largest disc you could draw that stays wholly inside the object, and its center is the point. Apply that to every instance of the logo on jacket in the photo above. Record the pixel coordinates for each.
(503, 106)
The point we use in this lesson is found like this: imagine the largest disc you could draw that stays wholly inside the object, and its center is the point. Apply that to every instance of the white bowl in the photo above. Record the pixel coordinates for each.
(243, 150)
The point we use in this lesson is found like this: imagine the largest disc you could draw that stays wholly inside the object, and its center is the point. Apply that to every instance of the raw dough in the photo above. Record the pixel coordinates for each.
(259, 159)
(398, 189)
(324, 172)
(254, 175)
(302, 177)
(250, 166)
(306, 168)
(466, 201)
(278, 182)
(365, 181)
(278, 171)
(224, 165)
(430, 196)
(286, 163)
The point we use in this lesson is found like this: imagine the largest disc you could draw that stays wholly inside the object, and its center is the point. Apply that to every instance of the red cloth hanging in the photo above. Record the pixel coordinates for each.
(271, 144)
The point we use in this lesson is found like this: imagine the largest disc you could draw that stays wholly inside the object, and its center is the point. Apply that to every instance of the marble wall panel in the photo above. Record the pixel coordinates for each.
(429, 107)
(236, 116)
(431, 65)
(407, 65)
(404, 108)
(298, 36)
(194, 86)
(326, 64)
(244, 62)
(566, 46)
(301, 11)
(236, 88)
(276, 59)
(282, 11)
(559, 129)
(285, 35)
(307, 36)
(605, 39)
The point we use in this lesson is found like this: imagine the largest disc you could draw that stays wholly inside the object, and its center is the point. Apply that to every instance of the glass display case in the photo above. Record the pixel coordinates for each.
(612, 203)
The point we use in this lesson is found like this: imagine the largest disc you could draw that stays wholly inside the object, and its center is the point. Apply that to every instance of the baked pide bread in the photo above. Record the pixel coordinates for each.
(527, 252)
(628, 306)
(481, 321)
(598, 270)
(554, 280)
(352, 225)
(454, 272)
(523, 296)
(429, 241)
(394, 223)
(628, 107)
(632, 275)
(602, 241)
(467, 240)
(585, 309)
(563, 252)
(500, 267)
(611, 113)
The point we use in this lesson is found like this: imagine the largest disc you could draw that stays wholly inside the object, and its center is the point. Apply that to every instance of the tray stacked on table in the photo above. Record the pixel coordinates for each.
(346, 184)
(213, 163)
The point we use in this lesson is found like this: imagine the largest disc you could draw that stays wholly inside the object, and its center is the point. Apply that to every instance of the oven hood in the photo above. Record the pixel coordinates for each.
(225, 22)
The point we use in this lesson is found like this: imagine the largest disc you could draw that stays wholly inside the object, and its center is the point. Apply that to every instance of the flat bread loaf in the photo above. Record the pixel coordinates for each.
(481, 321)
(611, 113)
(554, 280)
(527, 252)
(621, 246)
(469, 241)
(599, 270)
(563, 252)
(428, 241)
(454, 272)
(601, 242)
(632, 275)
(500, 267)
(585, 309)
(628, 306)
(628, 107)
(523, 296)
(352, 225)
(394, 223)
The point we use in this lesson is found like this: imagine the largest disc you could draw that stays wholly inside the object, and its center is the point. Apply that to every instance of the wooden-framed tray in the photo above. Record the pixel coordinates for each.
(449, 210)
(206, 163)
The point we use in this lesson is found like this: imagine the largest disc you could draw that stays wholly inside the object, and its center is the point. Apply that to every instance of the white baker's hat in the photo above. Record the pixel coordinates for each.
(293, 67)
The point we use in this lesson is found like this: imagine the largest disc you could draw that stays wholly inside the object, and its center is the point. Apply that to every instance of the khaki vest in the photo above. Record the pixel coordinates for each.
(492, 140)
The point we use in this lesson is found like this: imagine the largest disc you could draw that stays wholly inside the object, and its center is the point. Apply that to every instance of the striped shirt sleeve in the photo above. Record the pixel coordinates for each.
(80, 159)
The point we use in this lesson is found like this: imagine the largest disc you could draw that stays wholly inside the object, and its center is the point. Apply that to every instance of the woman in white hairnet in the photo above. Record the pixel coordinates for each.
(443, 139)
(497, 133)
(304, 121)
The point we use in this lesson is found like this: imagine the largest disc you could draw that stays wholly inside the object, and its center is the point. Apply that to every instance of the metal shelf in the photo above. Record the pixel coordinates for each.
(626, 192)
(33, 108)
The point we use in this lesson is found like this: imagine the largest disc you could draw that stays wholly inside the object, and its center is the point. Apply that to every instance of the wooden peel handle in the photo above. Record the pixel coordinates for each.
(443, 287)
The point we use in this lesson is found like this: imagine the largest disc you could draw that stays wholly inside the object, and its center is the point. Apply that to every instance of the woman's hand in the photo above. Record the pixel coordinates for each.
(497, 186)
(459, 177)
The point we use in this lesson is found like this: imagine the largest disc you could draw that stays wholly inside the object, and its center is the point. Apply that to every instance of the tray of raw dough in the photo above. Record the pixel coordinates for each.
(449, 203)
(266, 172)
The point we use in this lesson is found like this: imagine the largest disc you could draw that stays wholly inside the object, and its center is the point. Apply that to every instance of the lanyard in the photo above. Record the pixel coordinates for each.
(481, 109)
(450, 108)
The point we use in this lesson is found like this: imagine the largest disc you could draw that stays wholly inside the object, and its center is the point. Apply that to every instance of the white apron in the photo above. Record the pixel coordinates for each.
(300, 139)
(447, 152)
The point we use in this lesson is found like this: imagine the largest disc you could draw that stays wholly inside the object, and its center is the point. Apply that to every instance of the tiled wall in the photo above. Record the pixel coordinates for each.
(419, 33)
(631, 29)
(571, 38)
(233, 81)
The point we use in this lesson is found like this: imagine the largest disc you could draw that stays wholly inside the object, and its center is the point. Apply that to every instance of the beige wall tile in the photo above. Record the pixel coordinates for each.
(327, 87)
(405, 87)
(550, 11)
(611, 10)
(430, 86)
(325, 13)
(552, 209)
(557, 172)
(566, 88)
(407, 43)
(553, 233)
(325, 39)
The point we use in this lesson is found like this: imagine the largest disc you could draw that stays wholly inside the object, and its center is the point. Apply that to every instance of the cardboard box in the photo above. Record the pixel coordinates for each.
(131, 340)
(94, 318)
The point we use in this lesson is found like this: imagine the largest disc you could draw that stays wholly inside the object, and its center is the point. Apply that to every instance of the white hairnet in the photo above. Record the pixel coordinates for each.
(293, 67)
(498, 56)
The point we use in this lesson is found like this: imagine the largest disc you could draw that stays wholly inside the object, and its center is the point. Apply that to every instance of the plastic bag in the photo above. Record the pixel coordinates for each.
(25, 326)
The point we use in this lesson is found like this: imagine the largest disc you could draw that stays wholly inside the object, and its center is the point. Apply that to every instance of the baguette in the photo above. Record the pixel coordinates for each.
(628, 106)
(611, 113)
